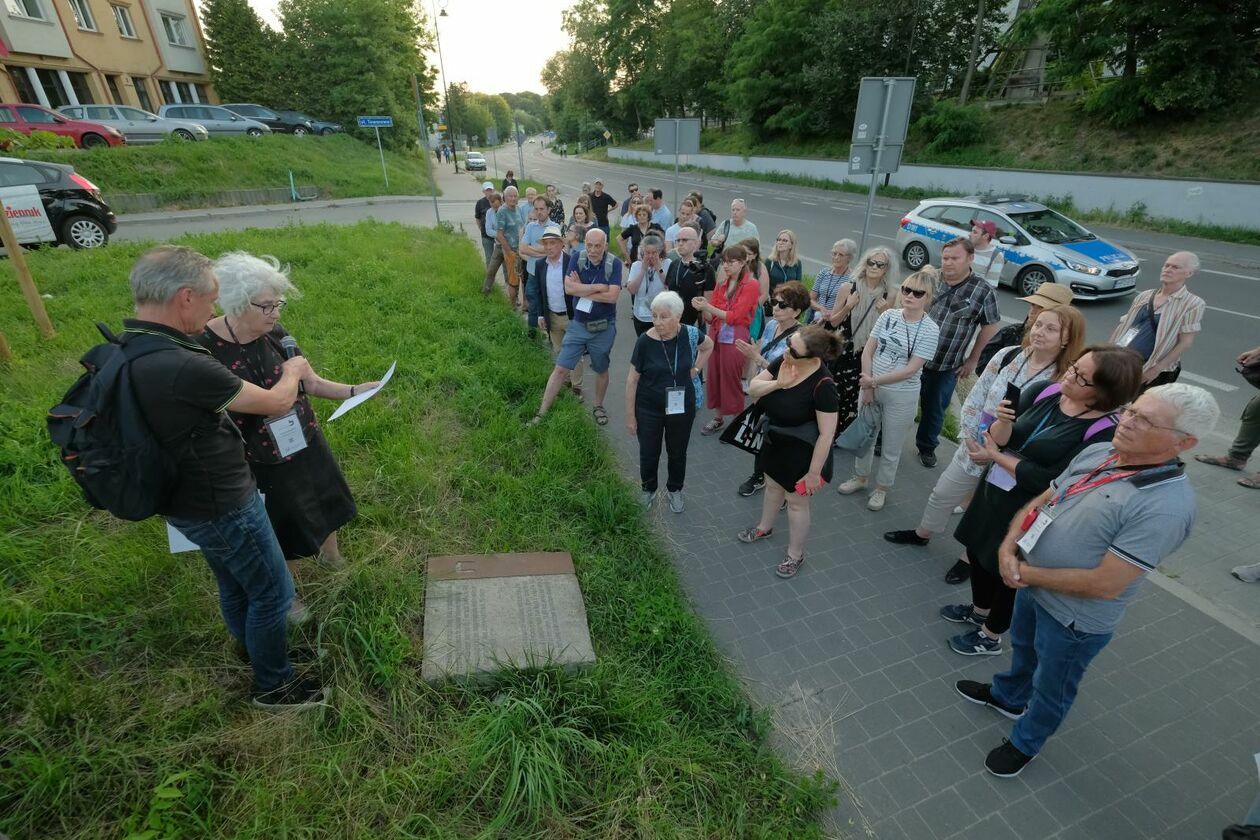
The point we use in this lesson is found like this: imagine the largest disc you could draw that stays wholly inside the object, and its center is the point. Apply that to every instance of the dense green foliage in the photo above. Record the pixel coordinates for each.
(190, 174)
(123, 708)
(335, 60)
(15, 142)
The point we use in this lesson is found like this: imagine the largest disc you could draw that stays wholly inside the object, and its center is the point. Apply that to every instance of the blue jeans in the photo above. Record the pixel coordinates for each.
(255, 589)
(936, 387)
(1047, 663)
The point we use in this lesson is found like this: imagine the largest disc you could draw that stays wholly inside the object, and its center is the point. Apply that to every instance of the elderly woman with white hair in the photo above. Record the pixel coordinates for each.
(661, 395)
(307, 498)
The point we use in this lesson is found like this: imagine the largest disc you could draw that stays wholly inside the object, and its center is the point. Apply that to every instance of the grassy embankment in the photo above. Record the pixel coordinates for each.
(123, 709)
(186, 174)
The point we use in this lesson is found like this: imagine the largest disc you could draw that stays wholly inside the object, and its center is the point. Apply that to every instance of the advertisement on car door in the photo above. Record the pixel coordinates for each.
(25, 210)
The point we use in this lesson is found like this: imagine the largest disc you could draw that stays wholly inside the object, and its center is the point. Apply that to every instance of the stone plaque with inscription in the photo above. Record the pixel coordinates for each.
(487, 612)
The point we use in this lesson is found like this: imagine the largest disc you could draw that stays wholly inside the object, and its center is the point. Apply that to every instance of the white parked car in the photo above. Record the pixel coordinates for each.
(137, 125)
(220, 122)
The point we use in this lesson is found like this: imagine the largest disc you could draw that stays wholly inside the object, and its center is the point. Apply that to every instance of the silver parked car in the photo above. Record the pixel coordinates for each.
(220, 122)
(1038, 245)
(138, 126)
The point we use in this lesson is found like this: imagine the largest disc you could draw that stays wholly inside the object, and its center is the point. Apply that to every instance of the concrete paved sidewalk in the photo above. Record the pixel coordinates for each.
(852, 658)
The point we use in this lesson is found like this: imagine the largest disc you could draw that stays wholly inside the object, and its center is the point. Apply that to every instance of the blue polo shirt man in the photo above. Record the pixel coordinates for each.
(594, 280)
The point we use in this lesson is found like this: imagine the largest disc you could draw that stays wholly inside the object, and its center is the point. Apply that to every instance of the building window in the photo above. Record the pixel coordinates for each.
(122, 17)
(83, 15)
(52, 88)
(202, 94)
(111, 82)
(174, 27)
(79, 84)
(185, 91)
(142, 93)
(17, 75)
(166, 92)
(25, 8)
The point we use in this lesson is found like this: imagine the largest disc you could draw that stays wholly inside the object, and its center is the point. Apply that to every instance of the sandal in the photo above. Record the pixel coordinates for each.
(576, 390)
(601, 416)
(712, 426)
(1252, 481)
(789, 567)
(1221, 461)
(751, 535)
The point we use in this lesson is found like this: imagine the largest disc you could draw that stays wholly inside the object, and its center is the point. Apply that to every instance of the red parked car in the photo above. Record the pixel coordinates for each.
(25, 118)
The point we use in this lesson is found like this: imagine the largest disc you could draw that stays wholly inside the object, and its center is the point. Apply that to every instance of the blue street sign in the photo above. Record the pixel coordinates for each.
(376, 122)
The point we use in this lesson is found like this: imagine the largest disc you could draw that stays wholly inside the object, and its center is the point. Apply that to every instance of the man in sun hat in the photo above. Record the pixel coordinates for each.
(549, 307)
(988, 260)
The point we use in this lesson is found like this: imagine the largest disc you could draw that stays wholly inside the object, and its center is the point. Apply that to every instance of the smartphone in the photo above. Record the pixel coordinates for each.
(1012, 396)
(800, 486)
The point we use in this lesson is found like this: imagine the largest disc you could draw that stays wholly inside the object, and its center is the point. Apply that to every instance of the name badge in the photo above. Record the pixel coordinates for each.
(1127, 337)
(1035, 530)
(726, 334)
(675, 400)
(584, 305)
(286, 433)
(1000, 478)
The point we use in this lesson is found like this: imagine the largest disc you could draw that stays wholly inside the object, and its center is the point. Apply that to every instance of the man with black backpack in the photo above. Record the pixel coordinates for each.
(156, 391)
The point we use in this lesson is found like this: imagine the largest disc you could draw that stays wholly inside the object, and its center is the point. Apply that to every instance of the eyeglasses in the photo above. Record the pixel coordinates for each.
(1075, 372)
(1142, 423)
(270, 308)
(918, 293)
(779, 304)
(875, 264)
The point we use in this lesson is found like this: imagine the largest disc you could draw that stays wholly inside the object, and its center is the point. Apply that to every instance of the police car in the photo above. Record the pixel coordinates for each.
(1038, 245)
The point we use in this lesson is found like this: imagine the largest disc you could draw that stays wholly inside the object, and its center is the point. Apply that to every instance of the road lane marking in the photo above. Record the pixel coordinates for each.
(810, 203)
(1232, 312)
(1208, 381)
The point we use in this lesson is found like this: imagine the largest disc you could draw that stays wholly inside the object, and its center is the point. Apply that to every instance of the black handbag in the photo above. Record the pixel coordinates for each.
(748, 430)
(1251, 373)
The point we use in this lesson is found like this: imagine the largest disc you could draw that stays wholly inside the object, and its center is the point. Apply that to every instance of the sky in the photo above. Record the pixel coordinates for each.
(470, 35)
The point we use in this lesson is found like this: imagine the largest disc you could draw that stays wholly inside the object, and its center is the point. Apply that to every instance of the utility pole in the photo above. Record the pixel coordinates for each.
(975, 53)
(415, 88)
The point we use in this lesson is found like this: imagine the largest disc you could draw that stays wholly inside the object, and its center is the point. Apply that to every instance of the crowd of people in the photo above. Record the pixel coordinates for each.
(791, 374)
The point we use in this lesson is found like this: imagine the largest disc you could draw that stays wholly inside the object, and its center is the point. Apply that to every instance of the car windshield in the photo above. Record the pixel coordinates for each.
(1051, 227)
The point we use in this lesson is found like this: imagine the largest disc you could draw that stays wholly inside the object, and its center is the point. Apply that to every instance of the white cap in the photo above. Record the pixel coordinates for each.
(487, 186)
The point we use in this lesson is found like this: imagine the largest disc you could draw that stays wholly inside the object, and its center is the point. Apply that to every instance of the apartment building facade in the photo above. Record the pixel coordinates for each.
(145, 53)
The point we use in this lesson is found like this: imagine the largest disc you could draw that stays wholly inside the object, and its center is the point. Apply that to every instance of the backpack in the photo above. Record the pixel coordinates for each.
(1101, 424)
(584, 262)
(105, 442)
(1008, 336)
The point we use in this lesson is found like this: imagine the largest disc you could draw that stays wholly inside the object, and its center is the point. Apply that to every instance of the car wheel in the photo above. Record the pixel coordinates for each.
(254, 132)
(915, 255)
(1031, 278)
(83, 232)
(326, 132)
(301, 131)
(182, 134)
(91, 141)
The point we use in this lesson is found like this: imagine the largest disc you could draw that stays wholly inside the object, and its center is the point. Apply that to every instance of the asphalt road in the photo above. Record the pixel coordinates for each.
(1229, 279)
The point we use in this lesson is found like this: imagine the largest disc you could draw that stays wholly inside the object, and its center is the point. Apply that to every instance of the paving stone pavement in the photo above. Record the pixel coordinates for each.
(852, 658)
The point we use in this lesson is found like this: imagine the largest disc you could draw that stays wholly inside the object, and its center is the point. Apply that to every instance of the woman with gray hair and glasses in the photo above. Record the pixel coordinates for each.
(306, 495)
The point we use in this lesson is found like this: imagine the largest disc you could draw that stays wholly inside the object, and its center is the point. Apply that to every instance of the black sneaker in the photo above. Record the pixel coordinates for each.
(755, 482)
(927, 459)
(961, 614)
(958, 573)
(1006, 761)
(297, 694)
(981, 694)
(905, 537)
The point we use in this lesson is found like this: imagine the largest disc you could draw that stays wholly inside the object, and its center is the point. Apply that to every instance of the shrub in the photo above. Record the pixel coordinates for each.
(11, 140)
(949, 126)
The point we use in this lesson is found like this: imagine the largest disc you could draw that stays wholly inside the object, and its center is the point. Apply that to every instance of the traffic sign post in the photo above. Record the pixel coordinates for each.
(415, 89)
(376, 124)
(677, 137)
(492, 140)
(520, 145)
(879, 132)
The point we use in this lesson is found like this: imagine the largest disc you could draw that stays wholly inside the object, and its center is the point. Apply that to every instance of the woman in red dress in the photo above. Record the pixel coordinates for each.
(729, 314)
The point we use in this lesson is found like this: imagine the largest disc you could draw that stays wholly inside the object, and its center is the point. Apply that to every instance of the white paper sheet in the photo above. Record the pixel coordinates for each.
(346, 405)
(179, 543)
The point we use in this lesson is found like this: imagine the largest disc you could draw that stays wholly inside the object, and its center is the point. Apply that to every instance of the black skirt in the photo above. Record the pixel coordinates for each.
(307, 498)
(846, 369)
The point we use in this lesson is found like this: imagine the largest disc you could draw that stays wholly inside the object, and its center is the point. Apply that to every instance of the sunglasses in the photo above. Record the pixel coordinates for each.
(918, 293)
(795, 355)
(875, 264)
(779, 304)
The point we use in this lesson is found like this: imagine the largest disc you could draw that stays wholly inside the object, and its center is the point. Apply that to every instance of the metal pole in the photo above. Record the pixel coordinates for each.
(415, 88)
(520, 147)
(494, 155)
(446, 88)
(879, 158)
(382, 151)
(974, 55)
(677, 128)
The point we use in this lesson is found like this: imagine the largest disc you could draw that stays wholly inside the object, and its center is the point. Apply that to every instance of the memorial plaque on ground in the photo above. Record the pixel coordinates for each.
(485, 612)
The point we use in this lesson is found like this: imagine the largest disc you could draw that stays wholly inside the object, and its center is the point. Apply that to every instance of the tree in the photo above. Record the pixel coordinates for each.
(761, 85)
(243, 52)
(350, 57)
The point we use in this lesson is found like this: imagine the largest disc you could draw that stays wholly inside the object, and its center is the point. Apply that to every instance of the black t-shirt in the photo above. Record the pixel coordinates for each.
(479, 211)
(635, 234)
(690, 280)
(601, 204)
(797, 405)
(184, 394)
(662, 365)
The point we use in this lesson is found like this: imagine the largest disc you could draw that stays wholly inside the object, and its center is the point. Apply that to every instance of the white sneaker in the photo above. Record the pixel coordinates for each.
(876, 501)
(959, 510)
(851, 486)
(675, 500)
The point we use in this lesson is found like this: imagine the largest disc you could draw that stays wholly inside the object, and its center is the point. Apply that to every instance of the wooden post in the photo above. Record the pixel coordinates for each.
(5, 353)
(18, 257)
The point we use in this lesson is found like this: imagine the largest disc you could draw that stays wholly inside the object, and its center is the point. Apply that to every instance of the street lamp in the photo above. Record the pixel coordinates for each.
(446, 89)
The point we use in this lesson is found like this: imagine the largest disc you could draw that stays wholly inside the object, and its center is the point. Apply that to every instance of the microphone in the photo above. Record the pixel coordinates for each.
(289, 343)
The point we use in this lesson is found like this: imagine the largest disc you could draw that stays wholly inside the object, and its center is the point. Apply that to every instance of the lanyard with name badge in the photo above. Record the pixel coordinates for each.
(285, 430)
(1037, 520)
(675, 397)
(1002, 478)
